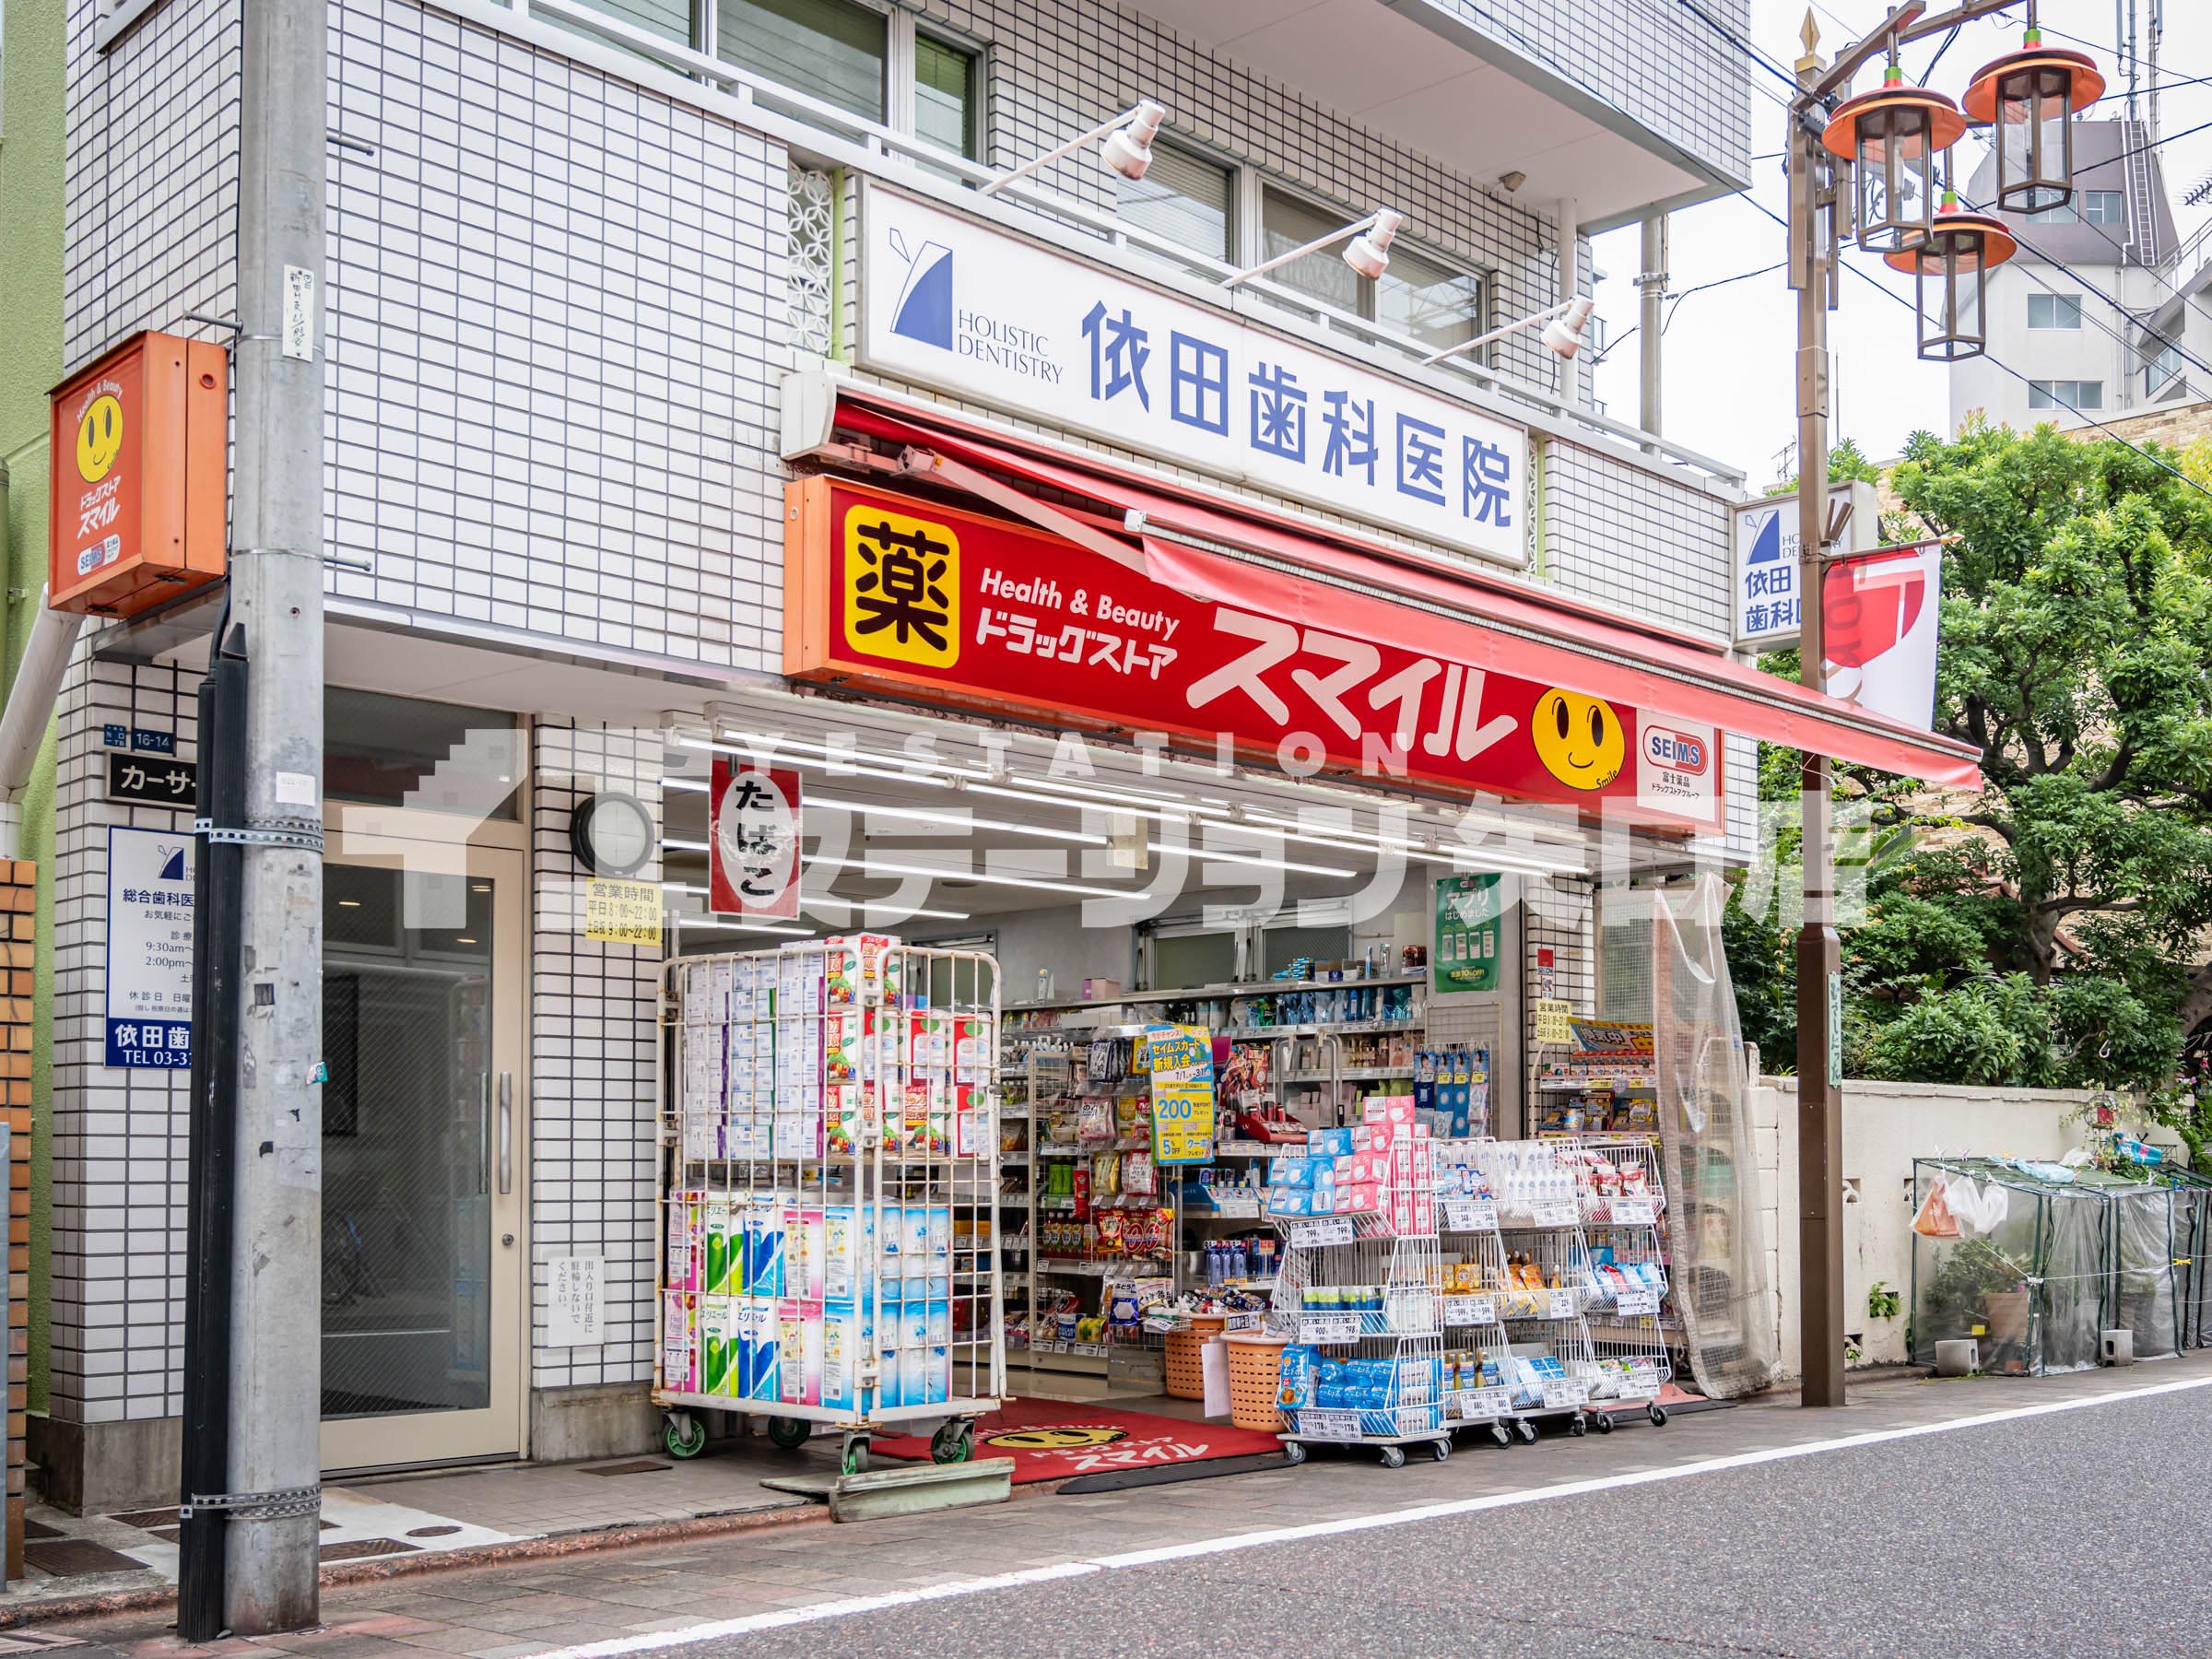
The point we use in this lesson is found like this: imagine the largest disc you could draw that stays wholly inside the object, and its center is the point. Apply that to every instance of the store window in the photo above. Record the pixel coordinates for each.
(828, 49)
(410, 752)
(2055, 310)
(946, 103)
(1184, 197)
(2065, 395)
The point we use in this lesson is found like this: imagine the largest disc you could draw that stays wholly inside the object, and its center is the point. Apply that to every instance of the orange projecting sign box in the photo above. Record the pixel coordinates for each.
(140, 474)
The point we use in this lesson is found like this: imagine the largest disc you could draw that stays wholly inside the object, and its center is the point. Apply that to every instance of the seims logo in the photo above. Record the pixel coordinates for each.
(1679, 751)
(924, 311)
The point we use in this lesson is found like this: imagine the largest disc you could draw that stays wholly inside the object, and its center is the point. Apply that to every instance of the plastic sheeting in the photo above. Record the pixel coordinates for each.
(1719, 1253)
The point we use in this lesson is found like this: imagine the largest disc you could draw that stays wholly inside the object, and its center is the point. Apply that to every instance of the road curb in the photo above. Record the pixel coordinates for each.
(103, 1603)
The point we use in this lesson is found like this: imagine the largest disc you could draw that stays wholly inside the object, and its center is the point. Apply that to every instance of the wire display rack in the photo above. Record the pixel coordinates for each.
(1621, 1192)
(1549, 1366)
(1364, 1288)
(828, 1193)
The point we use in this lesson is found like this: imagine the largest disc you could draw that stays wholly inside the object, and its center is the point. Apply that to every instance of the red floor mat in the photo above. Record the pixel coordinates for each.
(1055, 1439)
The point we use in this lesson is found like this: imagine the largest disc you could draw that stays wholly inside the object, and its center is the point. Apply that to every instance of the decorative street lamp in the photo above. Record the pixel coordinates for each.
(2030, 96)
(1949, 268)
(1891, 137)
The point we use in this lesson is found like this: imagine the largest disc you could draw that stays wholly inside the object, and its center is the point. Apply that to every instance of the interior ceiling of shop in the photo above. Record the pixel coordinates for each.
(1414, 77)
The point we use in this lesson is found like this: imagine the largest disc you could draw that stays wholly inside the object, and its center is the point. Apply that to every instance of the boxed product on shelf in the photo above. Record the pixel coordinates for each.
(686, 1241)
(679, 1341)
(799, 1340)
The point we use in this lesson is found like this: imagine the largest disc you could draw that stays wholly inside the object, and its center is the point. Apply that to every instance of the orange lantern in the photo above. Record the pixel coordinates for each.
(1950, 268)
(1892, 137)
(2030, 97)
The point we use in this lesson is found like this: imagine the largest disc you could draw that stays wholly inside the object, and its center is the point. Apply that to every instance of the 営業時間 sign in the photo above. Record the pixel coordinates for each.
(958, 304)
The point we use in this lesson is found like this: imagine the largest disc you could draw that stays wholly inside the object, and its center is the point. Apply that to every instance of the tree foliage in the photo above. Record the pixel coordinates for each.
(2054, 929)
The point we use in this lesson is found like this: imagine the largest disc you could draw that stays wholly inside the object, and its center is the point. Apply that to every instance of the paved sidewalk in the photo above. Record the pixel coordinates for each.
(509, 1611)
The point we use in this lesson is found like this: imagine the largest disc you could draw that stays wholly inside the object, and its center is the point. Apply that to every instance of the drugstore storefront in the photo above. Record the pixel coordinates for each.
(1381, 827)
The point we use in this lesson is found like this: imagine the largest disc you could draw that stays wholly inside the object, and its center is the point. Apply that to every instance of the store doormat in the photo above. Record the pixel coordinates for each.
(1101, 1448)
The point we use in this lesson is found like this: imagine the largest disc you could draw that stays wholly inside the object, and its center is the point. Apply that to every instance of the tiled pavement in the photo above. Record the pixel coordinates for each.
(522, 1607)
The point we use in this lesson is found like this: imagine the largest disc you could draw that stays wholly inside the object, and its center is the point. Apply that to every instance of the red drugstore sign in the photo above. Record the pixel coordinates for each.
(977, 613)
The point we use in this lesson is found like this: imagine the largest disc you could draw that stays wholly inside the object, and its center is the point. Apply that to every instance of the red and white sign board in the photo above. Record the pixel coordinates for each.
(1878, 621)
(753, 841)
(971, 612)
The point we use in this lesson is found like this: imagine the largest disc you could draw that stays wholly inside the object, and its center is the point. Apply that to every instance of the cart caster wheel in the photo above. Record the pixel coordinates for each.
(1393, 1457)
(1602, 1421)
(1577, 1426)
(954, 1443)
(1439, 1450)
(1658, 1415)
(1294, 1453)
(1501, 1434)
(1527, 1431)
(855, 1458)
(788, 1433)
(683, 1434)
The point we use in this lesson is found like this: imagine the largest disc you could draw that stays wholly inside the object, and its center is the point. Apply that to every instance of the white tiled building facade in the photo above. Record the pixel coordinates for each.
(563, 287)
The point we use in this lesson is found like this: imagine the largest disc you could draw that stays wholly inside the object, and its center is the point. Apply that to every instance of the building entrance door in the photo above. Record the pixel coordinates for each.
(424, 1142)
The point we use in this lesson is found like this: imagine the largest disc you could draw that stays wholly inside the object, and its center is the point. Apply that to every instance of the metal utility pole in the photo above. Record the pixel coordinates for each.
(1813, 271)
(1651, 283)
(272, 1499)
(1819, 210)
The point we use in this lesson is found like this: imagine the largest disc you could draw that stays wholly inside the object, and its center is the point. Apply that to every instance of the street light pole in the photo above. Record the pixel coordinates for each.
(1812, 255)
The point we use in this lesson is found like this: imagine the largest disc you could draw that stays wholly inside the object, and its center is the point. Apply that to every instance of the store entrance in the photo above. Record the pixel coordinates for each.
(424, 1142)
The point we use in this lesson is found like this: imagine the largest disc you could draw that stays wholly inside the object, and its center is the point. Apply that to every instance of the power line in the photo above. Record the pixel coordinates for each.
(1772, 66)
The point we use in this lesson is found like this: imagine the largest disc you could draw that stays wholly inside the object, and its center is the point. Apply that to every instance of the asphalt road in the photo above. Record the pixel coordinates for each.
(2079, 1532)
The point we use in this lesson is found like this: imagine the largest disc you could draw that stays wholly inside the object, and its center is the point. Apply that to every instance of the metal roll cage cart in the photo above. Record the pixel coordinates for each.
(1623, 1219)
(827, 1166)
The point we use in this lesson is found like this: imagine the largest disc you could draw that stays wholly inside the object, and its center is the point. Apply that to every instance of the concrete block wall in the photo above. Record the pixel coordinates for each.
(18, 903)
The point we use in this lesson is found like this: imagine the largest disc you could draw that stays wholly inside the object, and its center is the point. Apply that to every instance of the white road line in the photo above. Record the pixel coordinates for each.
(846, 1607)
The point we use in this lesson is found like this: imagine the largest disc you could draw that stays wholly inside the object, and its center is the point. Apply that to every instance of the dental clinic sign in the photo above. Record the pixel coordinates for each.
(974, 309)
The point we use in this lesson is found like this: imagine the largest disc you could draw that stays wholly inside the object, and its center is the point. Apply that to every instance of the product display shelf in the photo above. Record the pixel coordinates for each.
(1550, 1282)
(828, 1193)
(1467, 1230)
(1391, 1276)
(1621, 1192)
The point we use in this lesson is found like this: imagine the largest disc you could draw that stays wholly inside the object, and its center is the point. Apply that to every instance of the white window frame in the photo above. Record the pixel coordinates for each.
(2118, 196)
(1239, 188)
(2054, 303)
(899, 62)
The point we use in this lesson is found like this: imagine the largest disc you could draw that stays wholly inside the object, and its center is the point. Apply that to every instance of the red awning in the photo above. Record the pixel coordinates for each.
(1435, 604)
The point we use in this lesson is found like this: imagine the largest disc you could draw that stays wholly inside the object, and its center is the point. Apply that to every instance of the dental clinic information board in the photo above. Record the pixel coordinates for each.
(956, 302)
(149, 949)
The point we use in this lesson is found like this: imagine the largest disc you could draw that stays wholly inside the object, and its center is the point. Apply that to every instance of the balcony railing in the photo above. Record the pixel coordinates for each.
(838, 138)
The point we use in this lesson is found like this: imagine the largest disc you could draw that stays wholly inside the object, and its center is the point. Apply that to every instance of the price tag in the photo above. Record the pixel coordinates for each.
(1640, 1388)
(1470, 1214)
(1555, 1215)
(1329, 1327)
(1565, 1396)
(1633, 1212)
(1480, 1405)
(1328, 1230)
(1329, 1425)
(1561, 1304)
(1236, 1205)
(1470, 1310)
(1635, 1304)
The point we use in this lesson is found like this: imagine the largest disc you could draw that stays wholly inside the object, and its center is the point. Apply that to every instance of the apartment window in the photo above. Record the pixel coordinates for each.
(946, 105)
(2161, 368)
(829, 49)
(1184, 197)
(1419, 295)
(2103, 207)
(2065, 395)
(2055, 310)
(2063, 214)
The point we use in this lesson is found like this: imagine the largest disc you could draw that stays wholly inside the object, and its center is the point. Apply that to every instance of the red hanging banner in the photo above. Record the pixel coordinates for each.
(971, 612)
(753, 841)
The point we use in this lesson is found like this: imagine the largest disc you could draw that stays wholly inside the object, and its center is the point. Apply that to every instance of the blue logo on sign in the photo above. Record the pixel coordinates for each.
(172, 867)
(925, 308)
(1767, 545)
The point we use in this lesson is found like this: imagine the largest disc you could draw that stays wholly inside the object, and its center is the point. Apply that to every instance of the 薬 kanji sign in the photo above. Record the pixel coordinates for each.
(753, 840)
(952, 608)
(954, 302)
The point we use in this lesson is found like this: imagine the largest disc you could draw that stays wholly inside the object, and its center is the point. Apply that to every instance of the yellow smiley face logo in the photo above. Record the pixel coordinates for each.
(1054, 1437)
(99, 438)
(1579, 739)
